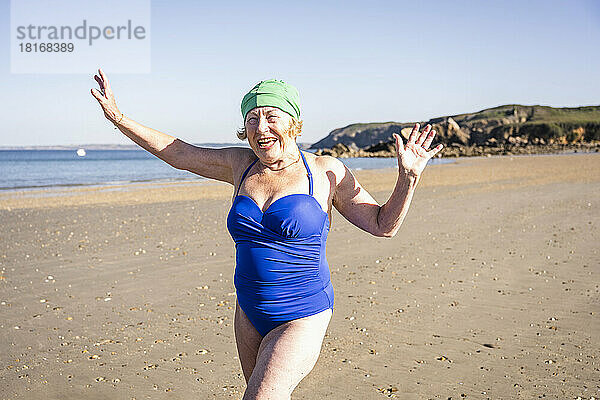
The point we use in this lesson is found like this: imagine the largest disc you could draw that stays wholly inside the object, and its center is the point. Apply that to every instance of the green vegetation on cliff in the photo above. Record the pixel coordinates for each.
(514, 124)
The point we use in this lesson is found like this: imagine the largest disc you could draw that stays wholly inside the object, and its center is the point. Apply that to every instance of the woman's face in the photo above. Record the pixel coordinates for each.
(269, 133)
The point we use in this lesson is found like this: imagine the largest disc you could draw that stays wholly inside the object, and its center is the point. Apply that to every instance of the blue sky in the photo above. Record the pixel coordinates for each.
(351, 61)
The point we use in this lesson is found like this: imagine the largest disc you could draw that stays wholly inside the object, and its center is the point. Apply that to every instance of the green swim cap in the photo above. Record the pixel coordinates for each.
(272, 93)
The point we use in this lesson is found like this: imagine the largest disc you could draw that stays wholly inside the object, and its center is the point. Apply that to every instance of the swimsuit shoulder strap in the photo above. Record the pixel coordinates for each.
(244, 176)
(309, 174)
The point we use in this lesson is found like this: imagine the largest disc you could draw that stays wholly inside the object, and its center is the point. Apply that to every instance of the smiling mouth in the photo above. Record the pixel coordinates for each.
(266, 143)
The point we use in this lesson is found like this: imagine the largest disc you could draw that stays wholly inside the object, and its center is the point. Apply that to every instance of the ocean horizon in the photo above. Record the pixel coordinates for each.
(27, 169)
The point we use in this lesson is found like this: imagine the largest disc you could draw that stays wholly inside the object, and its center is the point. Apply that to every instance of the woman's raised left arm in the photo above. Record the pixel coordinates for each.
(359, 207)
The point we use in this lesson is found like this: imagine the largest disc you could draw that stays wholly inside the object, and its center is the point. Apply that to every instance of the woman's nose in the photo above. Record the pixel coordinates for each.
(263, 126)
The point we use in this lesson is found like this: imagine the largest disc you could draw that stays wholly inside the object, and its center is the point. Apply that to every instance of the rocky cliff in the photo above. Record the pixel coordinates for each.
(499, 130)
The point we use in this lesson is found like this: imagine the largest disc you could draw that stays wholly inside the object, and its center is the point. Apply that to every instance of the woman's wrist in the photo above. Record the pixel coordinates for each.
(408, 175)
(118, 120)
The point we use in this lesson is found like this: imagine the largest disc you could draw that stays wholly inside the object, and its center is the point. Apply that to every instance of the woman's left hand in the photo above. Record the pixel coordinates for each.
(413, 157)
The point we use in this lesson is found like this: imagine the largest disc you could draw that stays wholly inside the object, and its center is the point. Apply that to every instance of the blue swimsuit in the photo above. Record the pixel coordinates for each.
(281, 273)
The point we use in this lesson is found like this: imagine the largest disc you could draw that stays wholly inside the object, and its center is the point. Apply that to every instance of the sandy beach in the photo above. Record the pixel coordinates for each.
(490, 290)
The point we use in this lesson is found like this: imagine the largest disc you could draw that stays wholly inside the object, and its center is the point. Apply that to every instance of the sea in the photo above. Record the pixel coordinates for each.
(36, 169)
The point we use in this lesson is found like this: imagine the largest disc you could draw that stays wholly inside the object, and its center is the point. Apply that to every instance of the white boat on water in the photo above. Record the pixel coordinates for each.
(81, 152)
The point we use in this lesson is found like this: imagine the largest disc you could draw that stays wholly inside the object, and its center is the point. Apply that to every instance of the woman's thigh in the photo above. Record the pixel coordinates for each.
(247, 340)
(286, 355)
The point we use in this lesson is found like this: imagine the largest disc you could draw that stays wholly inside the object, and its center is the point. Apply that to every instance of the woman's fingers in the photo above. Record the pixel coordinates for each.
(99, 80)
(100, 83)
(105, 90)
(429, 139)
(105, 97)
(423, 135)
(399, 143)
(419, 138)
(98, 96)
(105, 81)
(435, 150)
(413, 134)
(101, 74)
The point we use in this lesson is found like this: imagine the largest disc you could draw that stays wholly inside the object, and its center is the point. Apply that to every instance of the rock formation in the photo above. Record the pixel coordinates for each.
(509, 129)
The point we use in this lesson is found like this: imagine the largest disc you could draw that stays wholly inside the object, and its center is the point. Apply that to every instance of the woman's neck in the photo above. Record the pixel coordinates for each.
(287, 160)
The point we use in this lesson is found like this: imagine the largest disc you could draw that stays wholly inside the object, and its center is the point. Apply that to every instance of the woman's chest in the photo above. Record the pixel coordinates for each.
(295, 215)
(266, 189)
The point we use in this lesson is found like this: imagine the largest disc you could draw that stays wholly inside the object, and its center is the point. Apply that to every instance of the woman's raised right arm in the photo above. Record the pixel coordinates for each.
(210, 163)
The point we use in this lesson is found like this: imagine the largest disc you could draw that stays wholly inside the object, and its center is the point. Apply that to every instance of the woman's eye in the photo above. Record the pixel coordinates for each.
(252, 120)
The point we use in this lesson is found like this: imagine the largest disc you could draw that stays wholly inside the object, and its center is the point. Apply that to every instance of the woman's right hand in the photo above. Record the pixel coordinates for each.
(106, 98)
(209, 163)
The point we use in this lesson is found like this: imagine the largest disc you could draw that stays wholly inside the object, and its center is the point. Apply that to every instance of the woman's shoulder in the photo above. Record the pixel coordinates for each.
(327, 164)
(241, 156)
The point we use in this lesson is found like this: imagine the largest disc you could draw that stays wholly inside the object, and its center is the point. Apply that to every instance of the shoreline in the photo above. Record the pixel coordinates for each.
(453, 150)
(147, 193)
(68, 189)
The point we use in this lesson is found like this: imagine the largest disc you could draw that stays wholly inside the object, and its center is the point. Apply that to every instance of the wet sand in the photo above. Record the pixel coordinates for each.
(489, 290)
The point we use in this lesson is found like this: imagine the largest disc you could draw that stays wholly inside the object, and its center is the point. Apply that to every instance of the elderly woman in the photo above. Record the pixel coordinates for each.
(279, 220)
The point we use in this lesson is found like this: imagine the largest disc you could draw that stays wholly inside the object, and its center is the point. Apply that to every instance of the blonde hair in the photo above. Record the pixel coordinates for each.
(295, 129)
